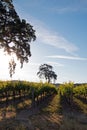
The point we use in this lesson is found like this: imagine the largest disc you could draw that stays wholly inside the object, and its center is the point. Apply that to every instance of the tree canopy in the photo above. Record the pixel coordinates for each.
(45, 71)
(15, 33)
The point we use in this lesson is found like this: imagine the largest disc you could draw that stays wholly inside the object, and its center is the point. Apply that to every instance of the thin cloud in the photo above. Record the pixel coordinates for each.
(69, 9)
(51, 38)
(66, 57)
(34, 64)
(46, 36)
(66, 9)
(54, 63)
(75, 6)
(47, 62)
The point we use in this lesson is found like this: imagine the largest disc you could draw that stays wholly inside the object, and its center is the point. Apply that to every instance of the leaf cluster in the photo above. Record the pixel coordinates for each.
(15, 34)
(45, 71)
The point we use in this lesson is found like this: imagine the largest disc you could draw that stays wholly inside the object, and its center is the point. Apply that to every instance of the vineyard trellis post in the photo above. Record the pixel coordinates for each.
(33, 98)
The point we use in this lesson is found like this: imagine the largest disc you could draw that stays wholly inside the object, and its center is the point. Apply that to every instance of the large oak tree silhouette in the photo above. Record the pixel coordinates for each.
(15, 33)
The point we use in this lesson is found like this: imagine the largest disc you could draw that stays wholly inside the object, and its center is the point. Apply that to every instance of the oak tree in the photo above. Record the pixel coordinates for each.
(15, 33)
(45, 71)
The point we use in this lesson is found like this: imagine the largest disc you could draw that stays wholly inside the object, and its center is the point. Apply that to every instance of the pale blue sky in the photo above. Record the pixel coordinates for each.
(61, 30)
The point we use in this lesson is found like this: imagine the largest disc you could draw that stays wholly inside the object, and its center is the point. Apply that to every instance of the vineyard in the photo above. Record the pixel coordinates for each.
(68, 91)
(10, 91)
(55, 107)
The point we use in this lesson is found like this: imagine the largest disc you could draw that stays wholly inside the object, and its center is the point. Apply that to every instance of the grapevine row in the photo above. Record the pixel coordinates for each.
(18, 89)
(68, 90)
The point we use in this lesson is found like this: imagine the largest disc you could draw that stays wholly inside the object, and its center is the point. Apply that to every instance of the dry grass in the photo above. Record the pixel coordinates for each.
(57, 116)
(52, 115)
(73, 124)
(82, 105)
(11, 124)
(11, 110)
(49, 117)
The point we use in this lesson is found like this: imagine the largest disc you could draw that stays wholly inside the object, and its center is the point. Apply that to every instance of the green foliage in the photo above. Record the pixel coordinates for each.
(45, 71)
(81, 91)
(66, 91)
(17, 89)
(15, 34)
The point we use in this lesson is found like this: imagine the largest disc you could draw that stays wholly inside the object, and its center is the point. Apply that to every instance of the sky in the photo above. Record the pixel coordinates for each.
(61, 31)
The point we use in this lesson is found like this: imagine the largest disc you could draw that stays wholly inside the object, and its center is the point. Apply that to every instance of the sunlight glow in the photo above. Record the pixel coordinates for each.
(4, 64)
